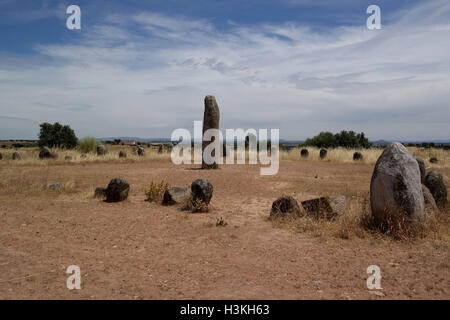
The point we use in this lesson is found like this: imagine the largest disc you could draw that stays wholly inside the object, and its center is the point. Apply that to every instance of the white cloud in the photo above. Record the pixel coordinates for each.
(147, 74)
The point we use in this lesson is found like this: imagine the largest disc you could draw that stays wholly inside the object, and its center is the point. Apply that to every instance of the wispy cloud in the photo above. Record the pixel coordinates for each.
(150, 70)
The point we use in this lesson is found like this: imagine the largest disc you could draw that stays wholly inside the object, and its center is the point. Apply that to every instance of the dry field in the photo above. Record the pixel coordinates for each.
(141, 250)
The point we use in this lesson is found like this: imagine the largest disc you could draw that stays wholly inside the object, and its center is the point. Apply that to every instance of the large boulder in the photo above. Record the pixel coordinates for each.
(16, 156)
(304, 153)
(117, 190)
(141, 151)
(174, 195)
(421, 164)
(46, 153)
(211, 118)
(395, 187)
(323, 153)
(325, 207)
(434, 181)
(202, 190)
(101, 150)
(286, 206)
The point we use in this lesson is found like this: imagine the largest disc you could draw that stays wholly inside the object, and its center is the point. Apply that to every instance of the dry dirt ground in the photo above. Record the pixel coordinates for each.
(141, 250)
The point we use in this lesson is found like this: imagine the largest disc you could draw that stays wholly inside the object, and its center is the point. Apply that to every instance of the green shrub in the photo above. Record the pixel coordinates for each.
(87, 144)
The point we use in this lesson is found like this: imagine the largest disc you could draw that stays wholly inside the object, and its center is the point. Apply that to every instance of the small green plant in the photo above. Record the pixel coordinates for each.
(221, 223)
(156, 191)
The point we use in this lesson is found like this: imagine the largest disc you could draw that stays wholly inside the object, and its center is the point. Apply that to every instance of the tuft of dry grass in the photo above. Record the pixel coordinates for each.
(156, 191)
(195, 205)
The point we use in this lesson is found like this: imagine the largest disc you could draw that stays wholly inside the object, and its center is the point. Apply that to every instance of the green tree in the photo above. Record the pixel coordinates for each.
(57, 135)
(346, 139)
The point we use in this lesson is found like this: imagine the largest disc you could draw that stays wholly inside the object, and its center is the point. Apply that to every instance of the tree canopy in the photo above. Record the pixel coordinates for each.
(57, 135)
(346, 139)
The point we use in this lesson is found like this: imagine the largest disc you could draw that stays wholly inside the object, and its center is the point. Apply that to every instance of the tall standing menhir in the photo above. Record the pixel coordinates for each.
(211, 119)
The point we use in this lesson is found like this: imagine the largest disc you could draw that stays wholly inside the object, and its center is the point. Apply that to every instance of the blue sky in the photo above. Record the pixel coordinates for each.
(142, 68)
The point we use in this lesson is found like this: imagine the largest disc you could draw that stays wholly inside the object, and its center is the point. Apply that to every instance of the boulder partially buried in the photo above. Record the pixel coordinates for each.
(174, 195)
(323, 153)
(117, 190)
(395, 187)
(434, 181)
(286, 206)
(202, 190)
(421, 164)
(100, 192)
(304, 153)
(357, 156)
(141, 151)
(46, 153)
(122, 154)
(101, 150)
(325, 207)
(16, 156)
(430, 204)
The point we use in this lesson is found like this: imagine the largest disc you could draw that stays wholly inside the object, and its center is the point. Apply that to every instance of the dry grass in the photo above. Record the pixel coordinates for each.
(357, 223)
(370, 156)
(30, 156)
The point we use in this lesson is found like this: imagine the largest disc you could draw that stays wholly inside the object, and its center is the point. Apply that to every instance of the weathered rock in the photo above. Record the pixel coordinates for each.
(323, 153)
(325, 207)
(202, 190)
(395, 187)
(430, 204)
(211, 118)
(16, 156)
(46, 153)
(304, 153)
(357, 156)
(117, 190)
(68, 158)
(141, 151)
(434, 181)
(54, 186)
(421, 164)
(1, 156)
(174, 195)
(122, 154)
(433, 160)
(286, 206)
(100, 192)
(101, 150)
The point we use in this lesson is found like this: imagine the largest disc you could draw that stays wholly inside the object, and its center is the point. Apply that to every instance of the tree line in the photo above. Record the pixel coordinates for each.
(346, 139)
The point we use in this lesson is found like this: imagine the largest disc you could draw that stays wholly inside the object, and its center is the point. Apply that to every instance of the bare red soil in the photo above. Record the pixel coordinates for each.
(141, 250)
